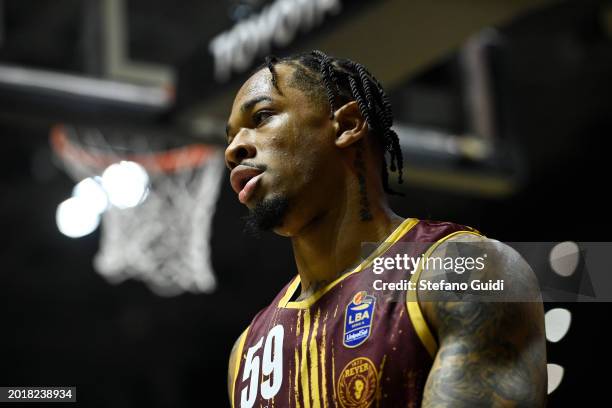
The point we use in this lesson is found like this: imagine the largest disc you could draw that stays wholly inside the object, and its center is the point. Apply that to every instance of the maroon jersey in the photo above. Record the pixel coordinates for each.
(348, 345)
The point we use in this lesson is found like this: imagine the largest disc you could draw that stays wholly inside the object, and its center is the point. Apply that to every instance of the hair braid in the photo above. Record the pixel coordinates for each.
(365, 81)
(270, 61)
(390, 136)
(325, 68)
(361, 103)
(334, 79)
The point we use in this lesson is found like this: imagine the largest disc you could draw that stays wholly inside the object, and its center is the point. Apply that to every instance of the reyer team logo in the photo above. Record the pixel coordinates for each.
(357, 384)
(358, 319)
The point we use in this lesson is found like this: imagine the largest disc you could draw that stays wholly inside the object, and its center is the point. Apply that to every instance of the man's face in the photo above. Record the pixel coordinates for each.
(281, 148)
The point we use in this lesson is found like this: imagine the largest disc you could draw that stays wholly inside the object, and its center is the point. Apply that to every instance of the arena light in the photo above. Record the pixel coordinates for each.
(557, 323)
(564, 258)
(90, 190)
(555, 375)
(75, 217)
(126, 184)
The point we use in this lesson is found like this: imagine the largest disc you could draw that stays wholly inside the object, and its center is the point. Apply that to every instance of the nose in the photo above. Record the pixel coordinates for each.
(240, 149)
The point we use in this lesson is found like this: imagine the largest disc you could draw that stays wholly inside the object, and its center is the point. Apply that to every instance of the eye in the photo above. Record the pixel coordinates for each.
(261, 116)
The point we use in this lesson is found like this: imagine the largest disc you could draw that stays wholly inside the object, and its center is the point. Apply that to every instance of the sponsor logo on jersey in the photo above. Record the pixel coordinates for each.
(358, 319)
(357, 384)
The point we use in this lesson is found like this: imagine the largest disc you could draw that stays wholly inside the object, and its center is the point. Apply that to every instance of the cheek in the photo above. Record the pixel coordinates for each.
(309, 152)
(300, 152)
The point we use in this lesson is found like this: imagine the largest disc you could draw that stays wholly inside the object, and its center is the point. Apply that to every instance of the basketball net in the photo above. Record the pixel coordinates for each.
(164, 240)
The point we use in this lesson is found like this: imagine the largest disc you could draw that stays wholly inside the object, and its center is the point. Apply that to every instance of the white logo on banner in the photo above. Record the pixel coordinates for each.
(277, 24)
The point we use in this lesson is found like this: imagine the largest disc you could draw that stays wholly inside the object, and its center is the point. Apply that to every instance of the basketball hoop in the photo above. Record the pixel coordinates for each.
(163, 239)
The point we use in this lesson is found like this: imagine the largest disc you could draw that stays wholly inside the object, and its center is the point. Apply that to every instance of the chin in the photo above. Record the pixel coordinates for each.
(267, 214)
(255, 201)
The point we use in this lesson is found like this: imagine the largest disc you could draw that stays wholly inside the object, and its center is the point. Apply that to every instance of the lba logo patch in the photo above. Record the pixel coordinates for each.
(358, 319)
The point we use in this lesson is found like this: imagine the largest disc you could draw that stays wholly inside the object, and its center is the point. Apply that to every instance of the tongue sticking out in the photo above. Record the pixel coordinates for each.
(248, 189)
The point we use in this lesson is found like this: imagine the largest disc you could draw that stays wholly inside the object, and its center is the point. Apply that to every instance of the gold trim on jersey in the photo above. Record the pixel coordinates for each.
(412, 302)
(399, 232)
(237, 361)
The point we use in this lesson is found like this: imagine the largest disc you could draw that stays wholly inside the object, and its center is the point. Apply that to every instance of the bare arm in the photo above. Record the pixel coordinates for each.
(491, 354)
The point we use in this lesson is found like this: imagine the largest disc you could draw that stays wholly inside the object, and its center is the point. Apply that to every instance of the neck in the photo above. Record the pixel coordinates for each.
(330, 245)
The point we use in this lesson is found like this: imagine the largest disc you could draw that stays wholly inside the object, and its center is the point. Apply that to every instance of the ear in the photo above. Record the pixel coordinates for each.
(350, 124)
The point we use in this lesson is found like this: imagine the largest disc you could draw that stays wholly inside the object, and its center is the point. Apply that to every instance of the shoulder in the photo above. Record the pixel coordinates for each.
(476, 258)
(234, 361)
(498, 260)
(491, 345)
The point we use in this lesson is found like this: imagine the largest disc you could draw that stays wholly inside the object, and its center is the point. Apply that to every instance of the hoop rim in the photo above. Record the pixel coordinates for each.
(166, 161)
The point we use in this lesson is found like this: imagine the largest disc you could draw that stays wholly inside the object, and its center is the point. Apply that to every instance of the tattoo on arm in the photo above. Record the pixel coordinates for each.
(492, 354)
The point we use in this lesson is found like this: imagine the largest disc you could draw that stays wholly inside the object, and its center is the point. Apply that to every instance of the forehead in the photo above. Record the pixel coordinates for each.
(260, 84)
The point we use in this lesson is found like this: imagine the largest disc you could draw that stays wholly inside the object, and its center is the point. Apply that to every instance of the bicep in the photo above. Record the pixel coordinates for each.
(496, 359)
(491, 353)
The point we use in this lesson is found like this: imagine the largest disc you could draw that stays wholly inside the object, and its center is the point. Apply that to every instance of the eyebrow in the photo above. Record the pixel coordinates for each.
(248, 105)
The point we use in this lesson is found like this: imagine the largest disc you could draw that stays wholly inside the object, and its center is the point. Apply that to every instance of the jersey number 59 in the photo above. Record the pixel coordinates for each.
(271, 368)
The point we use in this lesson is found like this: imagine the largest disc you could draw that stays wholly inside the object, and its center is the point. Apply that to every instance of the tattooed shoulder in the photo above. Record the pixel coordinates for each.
(491, 352)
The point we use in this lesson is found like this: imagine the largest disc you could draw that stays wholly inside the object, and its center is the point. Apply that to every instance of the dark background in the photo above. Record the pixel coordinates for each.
(63, 324)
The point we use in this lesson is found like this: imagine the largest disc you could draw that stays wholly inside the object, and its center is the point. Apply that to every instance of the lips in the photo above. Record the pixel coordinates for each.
(244, 179)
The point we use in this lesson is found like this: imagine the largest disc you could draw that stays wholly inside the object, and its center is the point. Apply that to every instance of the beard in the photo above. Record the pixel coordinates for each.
(266, 215)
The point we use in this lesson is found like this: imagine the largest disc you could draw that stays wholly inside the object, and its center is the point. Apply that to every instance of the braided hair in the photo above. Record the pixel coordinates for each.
(344, 80)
